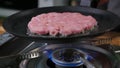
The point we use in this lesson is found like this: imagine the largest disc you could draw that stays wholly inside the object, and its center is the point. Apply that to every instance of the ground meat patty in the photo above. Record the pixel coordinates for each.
(66, 23)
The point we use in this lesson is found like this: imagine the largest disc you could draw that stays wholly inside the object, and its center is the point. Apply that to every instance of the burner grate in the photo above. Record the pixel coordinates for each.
(71, 57)
(87, 58)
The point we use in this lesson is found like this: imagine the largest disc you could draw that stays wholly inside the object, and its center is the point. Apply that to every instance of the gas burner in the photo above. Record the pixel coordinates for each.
(71, 56)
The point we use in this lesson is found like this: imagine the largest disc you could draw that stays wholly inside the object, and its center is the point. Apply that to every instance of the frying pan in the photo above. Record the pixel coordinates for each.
(16, 24)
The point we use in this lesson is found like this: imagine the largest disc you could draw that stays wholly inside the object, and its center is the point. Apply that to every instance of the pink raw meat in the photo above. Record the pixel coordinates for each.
(66, 23)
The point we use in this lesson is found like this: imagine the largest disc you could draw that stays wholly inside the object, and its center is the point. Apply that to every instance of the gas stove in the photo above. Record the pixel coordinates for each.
(71, 56)
(44, 55)
(56, 55)
(60, 56)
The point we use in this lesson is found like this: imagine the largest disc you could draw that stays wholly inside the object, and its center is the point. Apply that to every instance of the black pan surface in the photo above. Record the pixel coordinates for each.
(17, 23)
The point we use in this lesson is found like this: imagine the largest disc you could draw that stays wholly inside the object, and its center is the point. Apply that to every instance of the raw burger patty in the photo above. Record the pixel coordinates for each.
(66, 23)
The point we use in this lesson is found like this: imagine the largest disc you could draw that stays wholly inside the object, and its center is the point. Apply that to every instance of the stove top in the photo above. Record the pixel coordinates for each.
(62, 56)
(70, 54)
(74, 55)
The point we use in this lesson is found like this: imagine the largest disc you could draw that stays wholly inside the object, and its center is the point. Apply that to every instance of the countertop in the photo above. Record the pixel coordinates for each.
(1, 28)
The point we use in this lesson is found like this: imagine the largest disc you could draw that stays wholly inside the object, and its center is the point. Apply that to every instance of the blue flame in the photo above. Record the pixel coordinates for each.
(66, 64)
